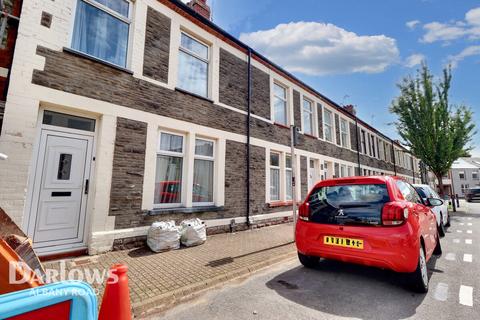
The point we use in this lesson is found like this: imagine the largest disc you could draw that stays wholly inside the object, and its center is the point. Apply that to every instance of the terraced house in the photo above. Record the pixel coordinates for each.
(120, 113)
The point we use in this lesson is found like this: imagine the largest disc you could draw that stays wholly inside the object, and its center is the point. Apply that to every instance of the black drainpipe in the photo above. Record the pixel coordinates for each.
(249, 100)
(358, 146)
(394, 161)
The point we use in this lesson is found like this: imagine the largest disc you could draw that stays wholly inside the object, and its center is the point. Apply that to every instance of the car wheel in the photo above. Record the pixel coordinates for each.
(438, 247)
(419, 278)
(448, 221)
(308, 261)
(441, 228)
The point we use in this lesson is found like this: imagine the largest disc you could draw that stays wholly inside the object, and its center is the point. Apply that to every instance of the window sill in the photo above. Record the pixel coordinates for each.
(193, 94)
(92, 58)
(310, 136)
(160, 211)
(281, 125)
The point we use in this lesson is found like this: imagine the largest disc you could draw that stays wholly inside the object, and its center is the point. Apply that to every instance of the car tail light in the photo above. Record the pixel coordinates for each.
(304, 211)
(394, 214)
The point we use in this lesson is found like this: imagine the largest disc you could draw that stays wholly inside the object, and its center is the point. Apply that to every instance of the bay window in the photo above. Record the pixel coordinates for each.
(328, 125)
(308, 117)
(193, 61)
(101, 29)
(203, 172)
(280, 104)
(274, 176)
(169, 170)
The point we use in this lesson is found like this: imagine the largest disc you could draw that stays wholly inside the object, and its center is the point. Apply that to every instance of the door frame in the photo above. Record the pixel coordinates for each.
(32, 196)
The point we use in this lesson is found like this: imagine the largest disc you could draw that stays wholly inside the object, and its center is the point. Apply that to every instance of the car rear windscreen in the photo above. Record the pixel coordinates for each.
(348, 204)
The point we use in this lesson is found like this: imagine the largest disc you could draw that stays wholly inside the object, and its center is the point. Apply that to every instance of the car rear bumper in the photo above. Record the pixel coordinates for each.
(394, 248)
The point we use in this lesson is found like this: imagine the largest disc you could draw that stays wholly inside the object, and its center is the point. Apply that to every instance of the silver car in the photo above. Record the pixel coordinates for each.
(441, 212)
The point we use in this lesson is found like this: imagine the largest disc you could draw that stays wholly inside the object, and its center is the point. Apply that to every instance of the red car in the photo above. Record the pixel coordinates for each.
(373, 221)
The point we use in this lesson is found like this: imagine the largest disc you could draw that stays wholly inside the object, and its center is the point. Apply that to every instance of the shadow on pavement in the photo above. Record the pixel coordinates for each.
(349, 290)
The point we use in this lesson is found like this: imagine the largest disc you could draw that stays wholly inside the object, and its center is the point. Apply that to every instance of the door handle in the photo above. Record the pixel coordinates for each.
(87, 186)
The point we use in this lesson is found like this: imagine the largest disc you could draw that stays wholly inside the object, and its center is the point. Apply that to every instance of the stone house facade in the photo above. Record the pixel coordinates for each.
(154, 114)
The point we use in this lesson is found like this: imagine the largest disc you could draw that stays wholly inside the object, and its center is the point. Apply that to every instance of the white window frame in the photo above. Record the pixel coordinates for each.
(114, 14)
(343, 170)
(313, 123)
(200, 157)
(279, 168)
(460, 174)
(286, 99)
(286, 155)
(475, 175)
(346, 132)
(350, 171)
(330, 125)
(363, 141)
(193, 54)
(184, 168)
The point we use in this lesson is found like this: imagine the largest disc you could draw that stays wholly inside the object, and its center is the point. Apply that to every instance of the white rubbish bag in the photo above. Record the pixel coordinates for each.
(163, 236)
(193, 232)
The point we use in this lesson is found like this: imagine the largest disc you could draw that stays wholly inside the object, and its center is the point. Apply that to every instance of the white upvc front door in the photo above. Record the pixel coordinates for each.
(60, 193)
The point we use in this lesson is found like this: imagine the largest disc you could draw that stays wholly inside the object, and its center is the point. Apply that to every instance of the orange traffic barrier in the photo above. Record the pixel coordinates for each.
(14, 272)
(116, 298)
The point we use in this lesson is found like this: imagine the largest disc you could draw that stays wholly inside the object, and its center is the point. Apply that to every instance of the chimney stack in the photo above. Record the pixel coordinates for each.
(201, 7)
(351, 109)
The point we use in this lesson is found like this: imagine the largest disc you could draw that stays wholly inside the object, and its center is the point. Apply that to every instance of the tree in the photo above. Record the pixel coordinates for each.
(435, 131)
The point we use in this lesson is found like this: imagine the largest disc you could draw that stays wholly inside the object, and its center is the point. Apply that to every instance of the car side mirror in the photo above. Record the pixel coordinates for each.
(434, 202)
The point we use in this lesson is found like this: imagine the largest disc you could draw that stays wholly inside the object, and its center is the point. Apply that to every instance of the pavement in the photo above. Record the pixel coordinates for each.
(337, 290)
(159, 281)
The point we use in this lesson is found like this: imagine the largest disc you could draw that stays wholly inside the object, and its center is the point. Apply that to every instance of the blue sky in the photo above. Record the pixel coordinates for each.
(355, 52)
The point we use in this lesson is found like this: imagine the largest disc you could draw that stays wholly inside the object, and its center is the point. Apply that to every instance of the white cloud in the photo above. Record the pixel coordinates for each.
(446, 32)
(467, 52)
(436, 31)
(412, 24)
(318, 49)
(473, 16)
(414, 60)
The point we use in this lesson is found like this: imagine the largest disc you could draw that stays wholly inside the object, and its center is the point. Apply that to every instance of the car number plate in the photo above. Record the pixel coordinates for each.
(343, 242)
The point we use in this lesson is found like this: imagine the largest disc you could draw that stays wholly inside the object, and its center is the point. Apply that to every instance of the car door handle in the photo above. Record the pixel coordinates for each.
(87, 185)
(61, 194)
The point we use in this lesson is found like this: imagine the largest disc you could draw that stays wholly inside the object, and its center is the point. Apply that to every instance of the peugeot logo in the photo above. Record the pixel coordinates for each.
(340, 212)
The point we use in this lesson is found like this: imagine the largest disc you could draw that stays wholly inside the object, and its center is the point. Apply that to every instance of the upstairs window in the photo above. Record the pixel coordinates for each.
(363, 142)
(461, 175)
(280, 104)
(328, 125)
(344, 132)
(193, 60)
(307, 117)
(475, 175)
(101, 29)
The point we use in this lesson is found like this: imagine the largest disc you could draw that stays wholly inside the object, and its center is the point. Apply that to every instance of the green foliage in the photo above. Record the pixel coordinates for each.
(436, 132)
